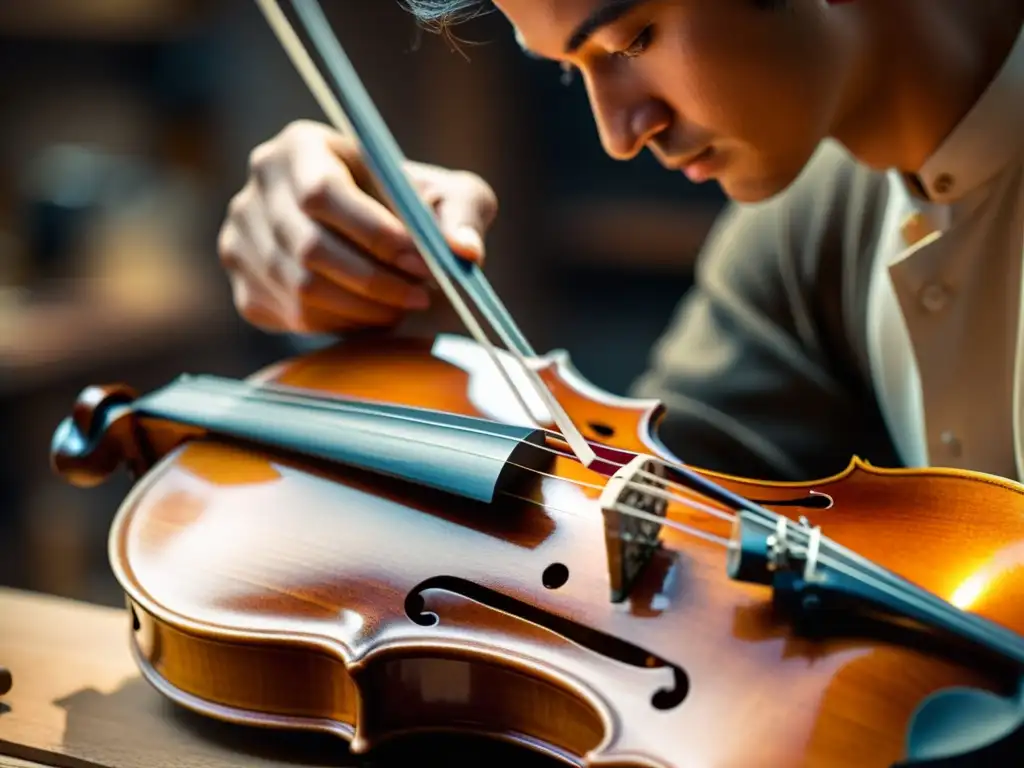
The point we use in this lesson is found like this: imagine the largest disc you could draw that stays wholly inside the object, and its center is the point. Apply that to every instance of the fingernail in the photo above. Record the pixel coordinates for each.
(469, 239)
(414, 264)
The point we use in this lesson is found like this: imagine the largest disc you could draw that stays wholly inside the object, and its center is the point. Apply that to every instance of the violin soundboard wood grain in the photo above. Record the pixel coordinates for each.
(78, 701)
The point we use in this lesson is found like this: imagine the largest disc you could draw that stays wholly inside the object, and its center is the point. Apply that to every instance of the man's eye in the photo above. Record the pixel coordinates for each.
(639, 45)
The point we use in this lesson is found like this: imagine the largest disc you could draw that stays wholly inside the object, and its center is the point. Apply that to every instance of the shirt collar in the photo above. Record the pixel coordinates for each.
(987, 138)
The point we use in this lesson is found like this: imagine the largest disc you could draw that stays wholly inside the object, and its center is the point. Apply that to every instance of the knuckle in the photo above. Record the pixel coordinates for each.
(239, 202)
(308, 249)
(481, 191)
(250, 304)
(275, 269)
(473, 181)
(347, 149)
(304, 285)
(488, 199)
(260, 157)
(264, 153)
(297, 130)
(314, 195)
(228, 250)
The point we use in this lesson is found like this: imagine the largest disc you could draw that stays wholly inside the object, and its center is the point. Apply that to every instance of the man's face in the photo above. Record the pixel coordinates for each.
(750, 91)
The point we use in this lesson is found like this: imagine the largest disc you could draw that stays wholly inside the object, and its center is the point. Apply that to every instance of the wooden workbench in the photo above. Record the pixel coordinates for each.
(79, 702)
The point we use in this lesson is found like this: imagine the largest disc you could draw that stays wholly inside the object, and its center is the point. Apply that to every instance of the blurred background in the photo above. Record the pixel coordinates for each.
(126, 128)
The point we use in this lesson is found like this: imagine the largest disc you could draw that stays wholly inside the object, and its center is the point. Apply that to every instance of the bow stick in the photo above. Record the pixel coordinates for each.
(352, 112)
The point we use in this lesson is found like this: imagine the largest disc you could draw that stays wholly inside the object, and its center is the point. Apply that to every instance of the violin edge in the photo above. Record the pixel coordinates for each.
(857, 465)
(361, 718)
(558, 364)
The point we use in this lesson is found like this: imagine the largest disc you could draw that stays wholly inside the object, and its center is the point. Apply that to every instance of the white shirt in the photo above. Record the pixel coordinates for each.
(945, 294)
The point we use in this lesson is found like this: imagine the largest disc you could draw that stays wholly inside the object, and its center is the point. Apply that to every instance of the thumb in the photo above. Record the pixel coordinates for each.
(464, 219)
(466, 241)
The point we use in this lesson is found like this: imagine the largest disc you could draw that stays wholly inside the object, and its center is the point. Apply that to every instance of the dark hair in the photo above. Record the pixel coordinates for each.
(440, 14)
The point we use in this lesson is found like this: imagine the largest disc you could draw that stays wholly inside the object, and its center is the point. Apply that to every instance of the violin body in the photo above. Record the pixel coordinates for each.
(271, 589)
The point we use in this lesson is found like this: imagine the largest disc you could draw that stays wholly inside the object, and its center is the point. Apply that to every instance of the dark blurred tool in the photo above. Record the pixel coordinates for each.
(6, 681)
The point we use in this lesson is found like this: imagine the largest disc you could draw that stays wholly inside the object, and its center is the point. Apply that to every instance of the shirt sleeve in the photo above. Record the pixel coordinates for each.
(761, 371)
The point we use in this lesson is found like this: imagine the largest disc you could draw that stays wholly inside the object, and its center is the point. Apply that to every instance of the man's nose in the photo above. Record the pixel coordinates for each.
(625, 131)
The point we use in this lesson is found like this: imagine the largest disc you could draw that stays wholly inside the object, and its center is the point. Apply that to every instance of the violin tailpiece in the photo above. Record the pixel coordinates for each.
(630, 532)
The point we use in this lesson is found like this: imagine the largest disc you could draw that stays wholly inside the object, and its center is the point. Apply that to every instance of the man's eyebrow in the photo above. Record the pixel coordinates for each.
(608, 12)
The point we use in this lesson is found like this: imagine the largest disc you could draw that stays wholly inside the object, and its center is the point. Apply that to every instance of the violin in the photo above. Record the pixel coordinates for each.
(396, 535)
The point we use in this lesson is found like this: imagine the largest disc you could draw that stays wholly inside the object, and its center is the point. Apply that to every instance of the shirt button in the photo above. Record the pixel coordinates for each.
(943, 183)
(934, 297)
(951, 443)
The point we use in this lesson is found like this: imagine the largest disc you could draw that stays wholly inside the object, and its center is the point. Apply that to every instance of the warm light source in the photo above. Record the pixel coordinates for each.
(973, 588)
(970, 590)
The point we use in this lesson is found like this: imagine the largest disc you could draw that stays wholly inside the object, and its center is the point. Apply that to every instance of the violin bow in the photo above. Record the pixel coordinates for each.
(353, 112)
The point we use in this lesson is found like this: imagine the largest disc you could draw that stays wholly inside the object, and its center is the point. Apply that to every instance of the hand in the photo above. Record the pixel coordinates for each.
(309, 249)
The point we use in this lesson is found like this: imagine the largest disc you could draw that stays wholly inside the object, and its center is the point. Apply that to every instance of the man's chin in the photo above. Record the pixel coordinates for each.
(759, 188)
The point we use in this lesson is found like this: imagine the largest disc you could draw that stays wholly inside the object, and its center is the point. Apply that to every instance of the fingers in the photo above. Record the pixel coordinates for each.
(254, 302)
(264, 265)
(319, 297)
(307, 249)
(290, 298)
(466, 213)
(325, 191)
(341, 266)
(464, 204)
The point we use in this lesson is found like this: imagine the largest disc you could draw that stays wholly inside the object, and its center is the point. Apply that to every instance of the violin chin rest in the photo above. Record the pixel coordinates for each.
(952, 726)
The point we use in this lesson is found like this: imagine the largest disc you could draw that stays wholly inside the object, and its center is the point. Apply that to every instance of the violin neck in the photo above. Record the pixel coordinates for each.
(471, 458)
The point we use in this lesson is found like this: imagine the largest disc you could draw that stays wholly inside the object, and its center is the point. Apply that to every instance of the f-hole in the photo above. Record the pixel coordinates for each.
(813, 500)
(591, 639)
(415, 609)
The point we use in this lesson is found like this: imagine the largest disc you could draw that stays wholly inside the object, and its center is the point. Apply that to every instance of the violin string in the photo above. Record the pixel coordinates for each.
(832, 556)
(996, 637)
(681, 527)
(260, 393)
(284, 393)
(212, 385)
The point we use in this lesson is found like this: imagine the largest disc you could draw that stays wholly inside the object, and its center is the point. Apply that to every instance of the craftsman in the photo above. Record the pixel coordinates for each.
(859, 296)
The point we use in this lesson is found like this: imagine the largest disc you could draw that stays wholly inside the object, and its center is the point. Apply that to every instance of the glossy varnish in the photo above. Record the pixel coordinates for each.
(273, 590)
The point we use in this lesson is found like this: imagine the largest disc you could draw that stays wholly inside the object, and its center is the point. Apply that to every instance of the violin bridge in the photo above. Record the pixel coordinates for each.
(632, 498)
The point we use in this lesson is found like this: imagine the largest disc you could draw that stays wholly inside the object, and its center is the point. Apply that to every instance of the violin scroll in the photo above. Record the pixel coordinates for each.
(89, 445)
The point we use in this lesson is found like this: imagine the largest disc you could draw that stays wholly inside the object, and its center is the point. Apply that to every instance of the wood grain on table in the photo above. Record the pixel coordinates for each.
(78, 701)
